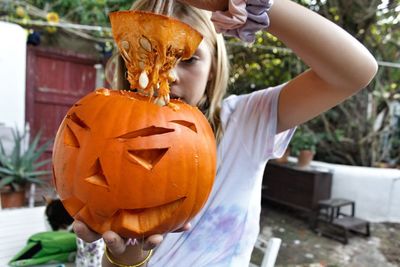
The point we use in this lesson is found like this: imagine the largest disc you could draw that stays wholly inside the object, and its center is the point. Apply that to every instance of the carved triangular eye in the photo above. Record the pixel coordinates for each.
(98, 178)
(70, 138)
(187, 124)
(149, 131)
(73, 117)
(147, 158)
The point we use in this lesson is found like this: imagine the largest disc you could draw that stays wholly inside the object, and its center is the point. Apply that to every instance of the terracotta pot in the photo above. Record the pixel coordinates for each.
(11, 199)
(304, 159)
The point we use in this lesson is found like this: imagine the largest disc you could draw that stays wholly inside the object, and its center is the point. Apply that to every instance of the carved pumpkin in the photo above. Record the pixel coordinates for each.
(122, 162)
(126, 164)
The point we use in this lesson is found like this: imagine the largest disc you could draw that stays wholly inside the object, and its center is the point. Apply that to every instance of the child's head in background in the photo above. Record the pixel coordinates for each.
(57, 216)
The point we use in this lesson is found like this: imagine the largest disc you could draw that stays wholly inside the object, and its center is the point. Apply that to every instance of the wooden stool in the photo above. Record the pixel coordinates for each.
(331, 215)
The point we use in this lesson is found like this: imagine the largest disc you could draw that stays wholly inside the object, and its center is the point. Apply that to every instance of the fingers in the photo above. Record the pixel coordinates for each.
(114, 242)
(117, 246)
(152, 242)
(184, 228)
(84, 233)
(155, 240)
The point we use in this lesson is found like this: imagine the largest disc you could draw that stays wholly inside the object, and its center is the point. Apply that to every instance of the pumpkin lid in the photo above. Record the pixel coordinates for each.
(151, 46)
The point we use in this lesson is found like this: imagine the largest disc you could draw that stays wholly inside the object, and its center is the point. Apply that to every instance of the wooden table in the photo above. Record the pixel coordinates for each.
(299, 188)
(331, 214)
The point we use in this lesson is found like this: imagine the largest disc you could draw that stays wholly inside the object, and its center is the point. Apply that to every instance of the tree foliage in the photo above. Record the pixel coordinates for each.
(88, 12)
(363, 130)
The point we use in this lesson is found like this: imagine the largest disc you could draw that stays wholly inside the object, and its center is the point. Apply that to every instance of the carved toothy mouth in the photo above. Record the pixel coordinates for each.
(143, 220)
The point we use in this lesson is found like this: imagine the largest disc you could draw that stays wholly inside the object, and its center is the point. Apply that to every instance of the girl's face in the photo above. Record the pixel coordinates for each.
(192, 76)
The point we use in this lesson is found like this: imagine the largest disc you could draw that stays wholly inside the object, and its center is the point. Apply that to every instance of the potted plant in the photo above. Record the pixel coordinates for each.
(303, 145)
(20, 167)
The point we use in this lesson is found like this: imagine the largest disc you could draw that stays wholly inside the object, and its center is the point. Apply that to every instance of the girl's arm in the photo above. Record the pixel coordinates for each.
(340, 65)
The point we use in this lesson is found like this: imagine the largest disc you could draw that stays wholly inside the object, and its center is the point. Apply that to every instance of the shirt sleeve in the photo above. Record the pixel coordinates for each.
(255, 117)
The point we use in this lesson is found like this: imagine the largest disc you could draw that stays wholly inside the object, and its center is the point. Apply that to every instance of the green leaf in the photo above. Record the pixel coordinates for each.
(6, 180)
(16, 186)
(6, 171)
(21, 163)
(37, 173)
(41, 163)
(2, 150)
(35, 180)
(16, 152)
(29, 156)
(41, 150)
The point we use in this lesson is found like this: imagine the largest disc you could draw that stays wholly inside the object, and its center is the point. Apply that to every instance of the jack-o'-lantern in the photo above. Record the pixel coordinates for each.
(124, 162)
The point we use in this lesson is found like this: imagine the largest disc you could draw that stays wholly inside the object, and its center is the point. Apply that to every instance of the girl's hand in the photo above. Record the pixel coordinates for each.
(211, 5)
(118, 247)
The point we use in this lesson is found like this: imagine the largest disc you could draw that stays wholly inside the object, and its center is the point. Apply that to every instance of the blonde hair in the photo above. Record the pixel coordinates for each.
(210, 104)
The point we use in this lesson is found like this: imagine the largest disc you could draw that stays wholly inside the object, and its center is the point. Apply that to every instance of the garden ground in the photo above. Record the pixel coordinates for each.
(301, 247)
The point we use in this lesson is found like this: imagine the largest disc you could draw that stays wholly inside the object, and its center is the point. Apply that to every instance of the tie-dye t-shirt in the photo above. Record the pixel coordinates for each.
(224, 232)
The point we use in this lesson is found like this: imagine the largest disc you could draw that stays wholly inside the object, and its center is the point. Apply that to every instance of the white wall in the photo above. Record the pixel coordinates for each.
(12, 75)
(376, 191)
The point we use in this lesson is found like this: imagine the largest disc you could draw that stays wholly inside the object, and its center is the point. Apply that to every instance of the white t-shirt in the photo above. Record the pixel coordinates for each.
(224, 232)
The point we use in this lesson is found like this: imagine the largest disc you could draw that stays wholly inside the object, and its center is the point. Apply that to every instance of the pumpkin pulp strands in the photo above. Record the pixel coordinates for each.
(151, 45)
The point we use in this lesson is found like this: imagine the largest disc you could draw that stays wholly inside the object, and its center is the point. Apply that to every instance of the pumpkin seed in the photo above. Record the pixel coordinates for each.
(143, 80)
(167, 99)
(172, 75)
(103, 91)
(142, 56)
(125, 45)
(160, 101)
(141, 65)
(145, 44)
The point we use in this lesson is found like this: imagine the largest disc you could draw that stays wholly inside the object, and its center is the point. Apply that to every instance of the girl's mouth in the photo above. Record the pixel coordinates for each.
(173, 96)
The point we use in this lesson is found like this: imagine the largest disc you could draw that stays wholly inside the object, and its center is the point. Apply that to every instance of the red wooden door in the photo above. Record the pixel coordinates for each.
(55, 81)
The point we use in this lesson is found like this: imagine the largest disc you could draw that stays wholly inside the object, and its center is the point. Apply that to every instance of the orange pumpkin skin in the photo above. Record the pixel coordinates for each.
(124, 164)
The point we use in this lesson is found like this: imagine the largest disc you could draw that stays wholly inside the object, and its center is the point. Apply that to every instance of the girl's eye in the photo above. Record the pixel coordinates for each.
(191, 60)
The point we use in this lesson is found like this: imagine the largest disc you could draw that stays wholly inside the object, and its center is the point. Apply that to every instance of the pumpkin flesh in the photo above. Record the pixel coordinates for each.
(151, 46)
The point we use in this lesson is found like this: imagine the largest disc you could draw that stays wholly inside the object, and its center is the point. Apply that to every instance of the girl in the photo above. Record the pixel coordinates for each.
(250, 129)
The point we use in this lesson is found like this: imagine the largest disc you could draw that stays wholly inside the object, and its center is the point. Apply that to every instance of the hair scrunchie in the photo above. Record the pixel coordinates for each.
(243, 18)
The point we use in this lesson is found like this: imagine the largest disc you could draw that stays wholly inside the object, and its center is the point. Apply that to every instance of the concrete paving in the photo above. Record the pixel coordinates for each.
(302, 247)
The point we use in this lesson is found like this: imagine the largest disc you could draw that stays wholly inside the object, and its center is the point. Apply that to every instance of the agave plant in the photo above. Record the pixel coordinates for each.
(22, 165)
